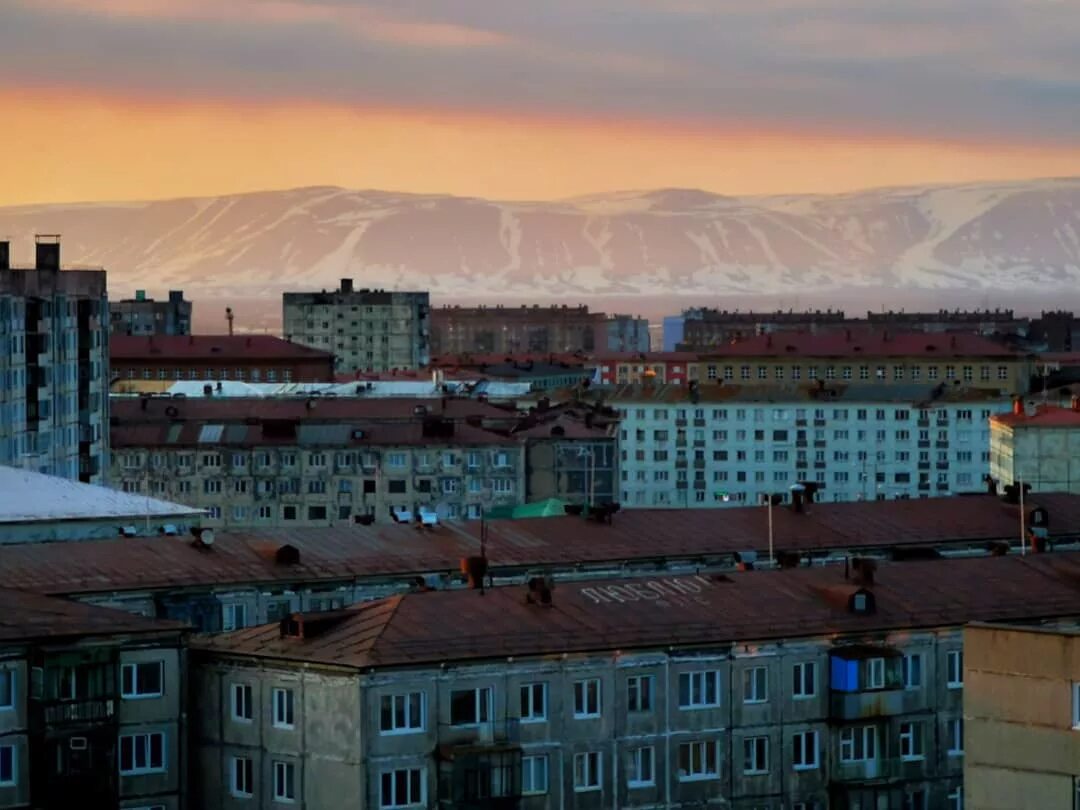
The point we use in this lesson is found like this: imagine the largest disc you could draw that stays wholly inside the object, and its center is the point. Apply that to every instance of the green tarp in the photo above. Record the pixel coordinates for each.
(552, 507)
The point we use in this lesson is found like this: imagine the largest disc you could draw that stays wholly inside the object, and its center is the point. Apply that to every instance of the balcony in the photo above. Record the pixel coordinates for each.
(865, 705)
(97, 710)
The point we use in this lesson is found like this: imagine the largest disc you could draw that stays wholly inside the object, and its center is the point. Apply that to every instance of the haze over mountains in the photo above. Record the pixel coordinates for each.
(976, 239)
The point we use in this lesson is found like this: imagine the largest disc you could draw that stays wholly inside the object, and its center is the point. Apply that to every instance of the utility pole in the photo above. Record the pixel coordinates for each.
(1023, 532)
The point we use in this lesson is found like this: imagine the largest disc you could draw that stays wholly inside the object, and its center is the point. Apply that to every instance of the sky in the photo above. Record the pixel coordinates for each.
(531, 99)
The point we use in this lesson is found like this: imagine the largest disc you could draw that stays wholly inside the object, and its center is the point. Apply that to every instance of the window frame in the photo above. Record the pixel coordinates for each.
(875, 673)
(8, 676)
(284, 777)
(803, 743)
(592, 769)
(753, 684)
(528, 763)
(866, 733)
(709, 756)
(582, 689)
(956, 735)
(532, 710)
(911, 739)
(639, 693)
(755, 755)
(638, 756)
(249, 773)
(411, 801)
(954, 659)
(912, 663)
(283, 708)
(406, 710)
(13, 766)
(248, 699)
(133, 667)
(483, 700)
(702, 677)
(146, 739)
(799, 672)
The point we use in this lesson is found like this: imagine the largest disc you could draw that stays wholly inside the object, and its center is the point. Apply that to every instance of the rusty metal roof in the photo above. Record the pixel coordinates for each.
(446, 626)
(26, 616)
(393, 550)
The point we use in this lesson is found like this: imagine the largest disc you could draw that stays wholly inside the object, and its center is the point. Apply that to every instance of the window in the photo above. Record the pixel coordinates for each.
(140, 680)
(284, 782)
(756, 685)
(1075, 701)
(858, 744)
(401, 714)
(241, 702)
(875, 673)
(233, 616)
(956, 798)
(243, 780)
(699, 690)
(956, 737)
(403, 787)
(911, 741)
(639, 692)
(468, 707)
(7, 765)
(587, 771)
(534, 775)
(7, 689)
(586, 698)
(142, 753)
(699, 760)
(283, 707)
(756, 755)
(804, 680)
(640, 772)
(912, 670)
(954, 666)
(804, 755)
(915, 800)
(533, 702)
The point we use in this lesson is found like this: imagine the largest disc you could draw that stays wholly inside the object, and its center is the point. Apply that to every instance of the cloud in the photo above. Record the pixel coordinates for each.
(978, 70)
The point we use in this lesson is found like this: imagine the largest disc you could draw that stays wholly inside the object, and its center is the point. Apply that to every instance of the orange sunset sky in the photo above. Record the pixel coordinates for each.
(129, 99)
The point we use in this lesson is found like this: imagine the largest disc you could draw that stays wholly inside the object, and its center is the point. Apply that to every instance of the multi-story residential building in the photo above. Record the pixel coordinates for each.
(627, 333)
(54, 364)
(366, 330)
(704, 328)
(1001, 322)
(705, 446)
(243, 358)
(252, 576)
(313, 462)
(1038, 445)
(516, 330)
(1021, 717)
(92, 707)
(145, 316)
(676, 692)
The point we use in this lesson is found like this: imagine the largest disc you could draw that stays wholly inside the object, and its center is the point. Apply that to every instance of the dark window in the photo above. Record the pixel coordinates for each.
(288, 513)
(316, 513)
(396, 485)
(369, 486)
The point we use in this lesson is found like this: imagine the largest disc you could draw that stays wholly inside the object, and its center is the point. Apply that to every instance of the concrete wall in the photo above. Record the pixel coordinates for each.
(1048, 458)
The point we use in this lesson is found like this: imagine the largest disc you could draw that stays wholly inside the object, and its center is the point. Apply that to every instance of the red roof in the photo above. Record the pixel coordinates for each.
(194, 347)
(642, 613)
(863, 343)
(697, 536)
(1045, 416)
(645, 357)
(25, 616)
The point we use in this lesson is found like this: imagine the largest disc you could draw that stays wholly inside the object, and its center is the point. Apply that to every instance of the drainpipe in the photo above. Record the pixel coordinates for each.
(731, 724)
(667, 730)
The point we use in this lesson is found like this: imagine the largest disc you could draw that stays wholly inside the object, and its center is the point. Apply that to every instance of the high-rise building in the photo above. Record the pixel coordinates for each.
(145, 316)
(54, 381)
(367, 330)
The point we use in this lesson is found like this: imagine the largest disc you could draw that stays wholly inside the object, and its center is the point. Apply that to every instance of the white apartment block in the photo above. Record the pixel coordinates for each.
(367, 330)
(678, 453)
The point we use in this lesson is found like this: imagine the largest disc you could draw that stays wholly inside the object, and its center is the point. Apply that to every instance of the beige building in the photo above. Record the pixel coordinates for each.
(1039, 445)
(367, 330)
(1022, 718)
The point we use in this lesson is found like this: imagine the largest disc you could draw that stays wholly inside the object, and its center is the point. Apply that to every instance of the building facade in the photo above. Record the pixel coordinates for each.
(145, 316)
(650, 695)
(517, 330)
(1037, 445)
(704, 328)
(92, 708)
(627, 333)
(365, 330)
(213, 358)
(727, 446)
(1021, 717)
(54, 365)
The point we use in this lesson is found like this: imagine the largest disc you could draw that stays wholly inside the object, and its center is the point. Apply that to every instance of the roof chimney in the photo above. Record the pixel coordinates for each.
(1074, 403)
(5, 255)
(47, 251)
(1018, 407)
(346, 285)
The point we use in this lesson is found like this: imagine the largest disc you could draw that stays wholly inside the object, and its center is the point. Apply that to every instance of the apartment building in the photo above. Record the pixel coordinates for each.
(145, 316)
(92, 707)
(216, 358)
(705, 446)
(627, 333)
(1038, 444)
(672, 691)
(312, 462)
(53, 366)
(365, 330)
(503, 330)
(1021, 717)
(702, 328)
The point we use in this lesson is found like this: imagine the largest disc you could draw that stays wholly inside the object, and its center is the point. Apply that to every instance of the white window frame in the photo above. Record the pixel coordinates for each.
(641, 771)
(956, 737)
(8, 677)
(143, 739)
(805, 747)
(910, 668)
(534, 775)
(236, 769)
(1076, 705)
(284, 707)
(587, 699)
(394, 800)
(284, 781)
(482, 706)
(956, 798)
(802, 672)
(639, 693)
(230, 612)
(534, 702)
(588, 772)
(405, 700)
(954, 666)
(14, 763)
(875, 673)
(911, 742)
(756, 685)
(851, 743)
(699, 681)
(708, 757)
(755, 755)
(242, 693)
(132, 670)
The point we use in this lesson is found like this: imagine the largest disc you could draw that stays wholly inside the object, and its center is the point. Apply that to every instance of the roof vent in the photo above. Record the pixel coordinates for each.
(863, 570)
(204, 538)
(287, 555)
(862, 602)
(475, 568)
(128, 531)
(540, 589)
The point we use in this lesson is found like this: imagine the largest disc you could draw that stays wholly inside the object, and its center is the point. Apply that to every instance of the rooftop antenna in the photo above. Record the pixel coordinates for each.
(229, 317)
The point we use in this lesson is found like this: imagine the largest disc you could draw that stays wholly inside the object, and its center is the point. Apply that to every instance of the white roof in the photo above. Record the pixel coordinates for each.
(30, 496)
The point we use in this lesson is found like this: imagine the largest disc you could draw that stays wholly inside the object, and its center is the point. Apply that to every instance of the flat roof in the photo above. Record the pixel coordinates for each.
(170, 348)
(443, 626)
(1043, 416)
(27, 497)
(397, 551)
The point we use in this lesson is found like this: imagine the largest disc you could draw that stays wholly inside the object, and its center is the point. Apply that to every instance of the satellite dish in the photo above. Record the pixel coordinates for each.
(206, 537)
